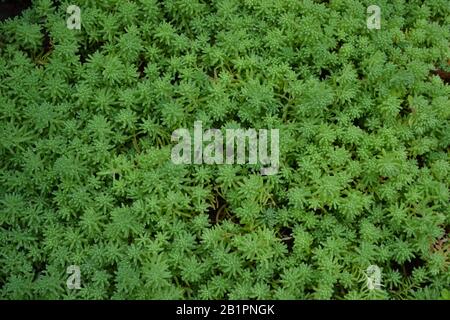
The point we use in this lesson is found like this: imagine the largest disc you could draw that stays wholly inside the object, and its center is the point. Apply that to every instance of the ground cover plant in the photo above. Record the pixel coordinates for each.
(86, 177)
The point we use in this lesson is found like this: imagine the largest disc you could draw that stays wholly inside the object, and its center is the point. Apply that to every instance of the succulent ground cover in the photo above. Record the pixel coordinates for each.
(86, 177)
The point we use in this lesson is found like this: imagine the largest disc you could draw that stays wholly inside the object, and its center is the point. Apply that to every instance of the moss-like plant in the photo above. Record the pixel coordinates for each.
(86, 178)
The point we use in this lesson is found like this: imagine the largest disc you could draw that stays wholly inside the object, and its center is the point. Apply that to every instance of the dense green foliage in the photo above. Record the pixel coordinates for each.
(86, 178)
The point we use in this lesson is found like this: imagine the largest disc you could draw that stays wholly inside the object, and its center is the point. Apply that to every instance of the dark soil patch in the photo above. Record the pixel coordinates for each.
(445, 76)
(217, 213)
(12, 8)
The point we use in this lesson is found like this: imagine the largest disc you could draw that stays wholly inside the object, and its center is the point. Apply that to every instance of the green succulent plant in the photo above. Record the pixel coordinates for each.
(86, 178)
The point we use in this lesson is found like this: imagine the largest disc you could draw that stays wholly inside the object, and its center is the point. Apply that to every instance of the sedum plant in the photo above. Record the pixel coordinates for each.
(86, 178)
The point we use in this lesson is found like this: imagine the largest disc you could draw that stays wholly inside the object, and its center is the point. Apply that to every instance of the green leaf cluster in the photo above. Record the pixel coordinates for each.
(86, 178)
